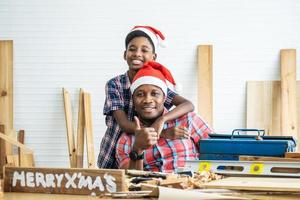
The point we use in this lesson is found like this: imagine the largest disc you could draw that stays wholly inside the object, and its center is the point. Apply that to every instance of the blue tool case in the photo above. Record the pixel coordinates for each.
(231, 146)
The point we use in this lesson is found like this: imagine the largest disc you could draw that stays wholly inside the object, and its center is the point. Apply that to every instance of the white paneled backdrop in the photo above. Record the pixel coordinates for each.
(73, 44)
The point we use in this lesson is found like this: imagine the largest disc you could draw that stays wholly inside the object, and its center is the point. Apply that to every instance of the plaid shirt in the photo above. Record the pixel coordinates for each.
(167, 155)
(118, 97)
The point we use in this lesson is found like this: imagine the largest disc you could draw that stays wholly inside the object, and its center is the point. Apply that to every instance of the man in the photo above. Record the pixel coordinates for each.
(146, 150)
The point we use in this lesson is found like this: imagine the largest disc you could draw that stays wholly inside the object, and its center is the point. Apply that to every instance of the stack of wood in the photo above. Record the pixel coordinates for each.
(84, 128)
(273, 105)
(24, 157)
(135, 179)
(7, 134)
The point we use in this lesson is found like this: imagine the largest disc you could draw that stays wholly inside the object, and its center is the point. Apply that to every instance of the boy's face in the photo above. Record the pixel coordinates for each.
(139, 51)
(149, 101)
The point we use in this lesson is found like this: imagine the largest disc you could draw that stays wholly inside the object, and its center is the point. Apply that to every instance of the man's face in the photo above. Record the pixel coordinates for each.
(149, 101)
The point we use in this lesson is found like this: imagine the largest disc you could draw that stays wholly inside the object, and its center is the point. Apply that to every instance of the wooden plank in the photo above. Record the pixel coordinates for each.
(80, 131)
(89, 130)
(260, 107)
(13, 160)
(1, 187)
(288, 92)
(2, 151)
(205, 82)
(14, 142)
(25, 159)
(292, 155)
(256, 184)
(21, 139)
(263, 158)
(153, 188)
(63, 181)
(70, 133)
(264, 106)
(6, 95)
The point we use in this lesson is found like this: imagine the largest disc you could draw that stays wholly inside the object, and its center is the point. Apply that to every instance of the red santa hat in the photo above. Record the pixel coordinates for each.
(156, 37)
(156, 74)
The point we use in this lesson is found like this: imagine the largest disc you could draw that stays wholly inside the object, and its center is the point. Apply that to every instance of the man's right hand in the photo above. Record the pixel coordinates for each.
(144, 137)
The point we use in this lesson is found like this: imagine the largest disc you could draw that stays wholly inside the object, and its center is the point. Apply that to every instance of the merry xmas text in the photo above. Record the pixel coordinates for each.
(75, 180)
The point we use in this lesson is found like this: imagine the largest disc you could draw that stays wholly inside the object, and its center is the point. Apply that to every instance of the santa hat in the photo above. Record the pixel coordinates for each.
(155, 36)
(156, 74)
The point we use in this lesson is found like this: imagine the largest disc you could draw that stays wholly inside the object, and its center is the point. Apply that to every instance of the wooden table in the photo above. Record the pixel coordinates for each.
(32, 196)
(38, 196)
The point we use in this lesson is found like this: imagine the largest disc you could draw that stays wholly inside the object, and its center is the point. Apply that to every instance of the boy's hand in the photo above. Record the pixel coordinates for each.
(176, 133)
(144, 137)
(158, 125)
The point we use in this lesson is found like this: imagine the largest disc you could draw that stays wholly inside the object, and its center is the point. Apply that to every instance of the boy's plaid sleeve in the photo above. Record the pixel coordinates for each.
(113, 99)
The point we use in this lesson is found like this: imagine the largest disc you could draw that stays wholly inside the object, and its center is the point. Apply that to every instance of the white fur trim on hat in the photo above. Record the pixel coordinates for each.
(149, 80)
(156, 40)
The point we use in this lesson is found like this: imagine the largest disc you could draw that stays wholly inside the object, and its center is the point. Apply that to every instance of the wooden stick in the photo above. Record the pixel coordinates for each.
(89, 130)
(205, 82)
(13, 160)
(292, 155)
(21, 140)
(70, 134)
(12, 141)
(25, 159)
(288, 92)
(2, 151)
(265, 158)
(80, 131)
(6, 95)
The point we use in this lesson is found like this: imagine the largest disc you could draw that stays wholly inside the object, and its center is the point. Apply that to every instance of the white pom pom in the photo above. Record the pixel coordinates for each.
(163, 43)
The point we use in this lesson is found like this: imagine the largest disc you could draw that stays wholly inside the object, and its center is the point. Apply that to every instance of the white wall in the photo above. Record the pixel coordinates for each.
(73, 44)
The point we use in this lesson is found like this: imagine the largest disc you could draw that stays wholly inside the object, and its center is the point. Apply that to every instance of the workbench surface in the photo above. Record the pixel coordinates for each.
(31, 196)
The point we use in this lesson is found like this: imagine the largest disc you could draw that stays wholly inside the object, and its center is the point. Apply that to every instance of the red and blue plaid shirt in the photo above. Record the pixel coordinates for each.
(118, 97)
(168, 155)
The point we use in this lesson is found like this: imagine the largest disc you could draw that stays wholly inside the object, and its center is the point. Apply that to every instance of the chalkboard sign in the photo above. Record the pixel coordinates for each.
(63, 181)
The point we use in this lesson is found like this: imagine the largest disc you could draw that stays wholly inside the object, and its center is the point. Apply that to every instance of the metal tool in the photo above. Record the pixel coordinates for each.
(255, 168)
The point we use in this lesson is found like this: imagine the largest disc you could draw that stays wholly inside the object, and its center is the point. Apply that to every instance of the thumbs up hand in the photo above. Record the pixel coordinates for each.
(144, 137)
(137, 123)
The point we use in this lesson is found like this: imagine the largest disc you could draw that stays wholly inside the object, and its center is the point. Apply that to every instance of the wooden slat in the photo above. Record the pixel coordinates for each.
(6, 95)
(89, 130)
(70, 133)
(80, 131)
(292, 155)
(263, 158)
(2, 151)
(14, 142)
(205, 82)
(288, 92)
(21, 139)
(256, 184)
(13, 160)
(264, 106)
(63, 181)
